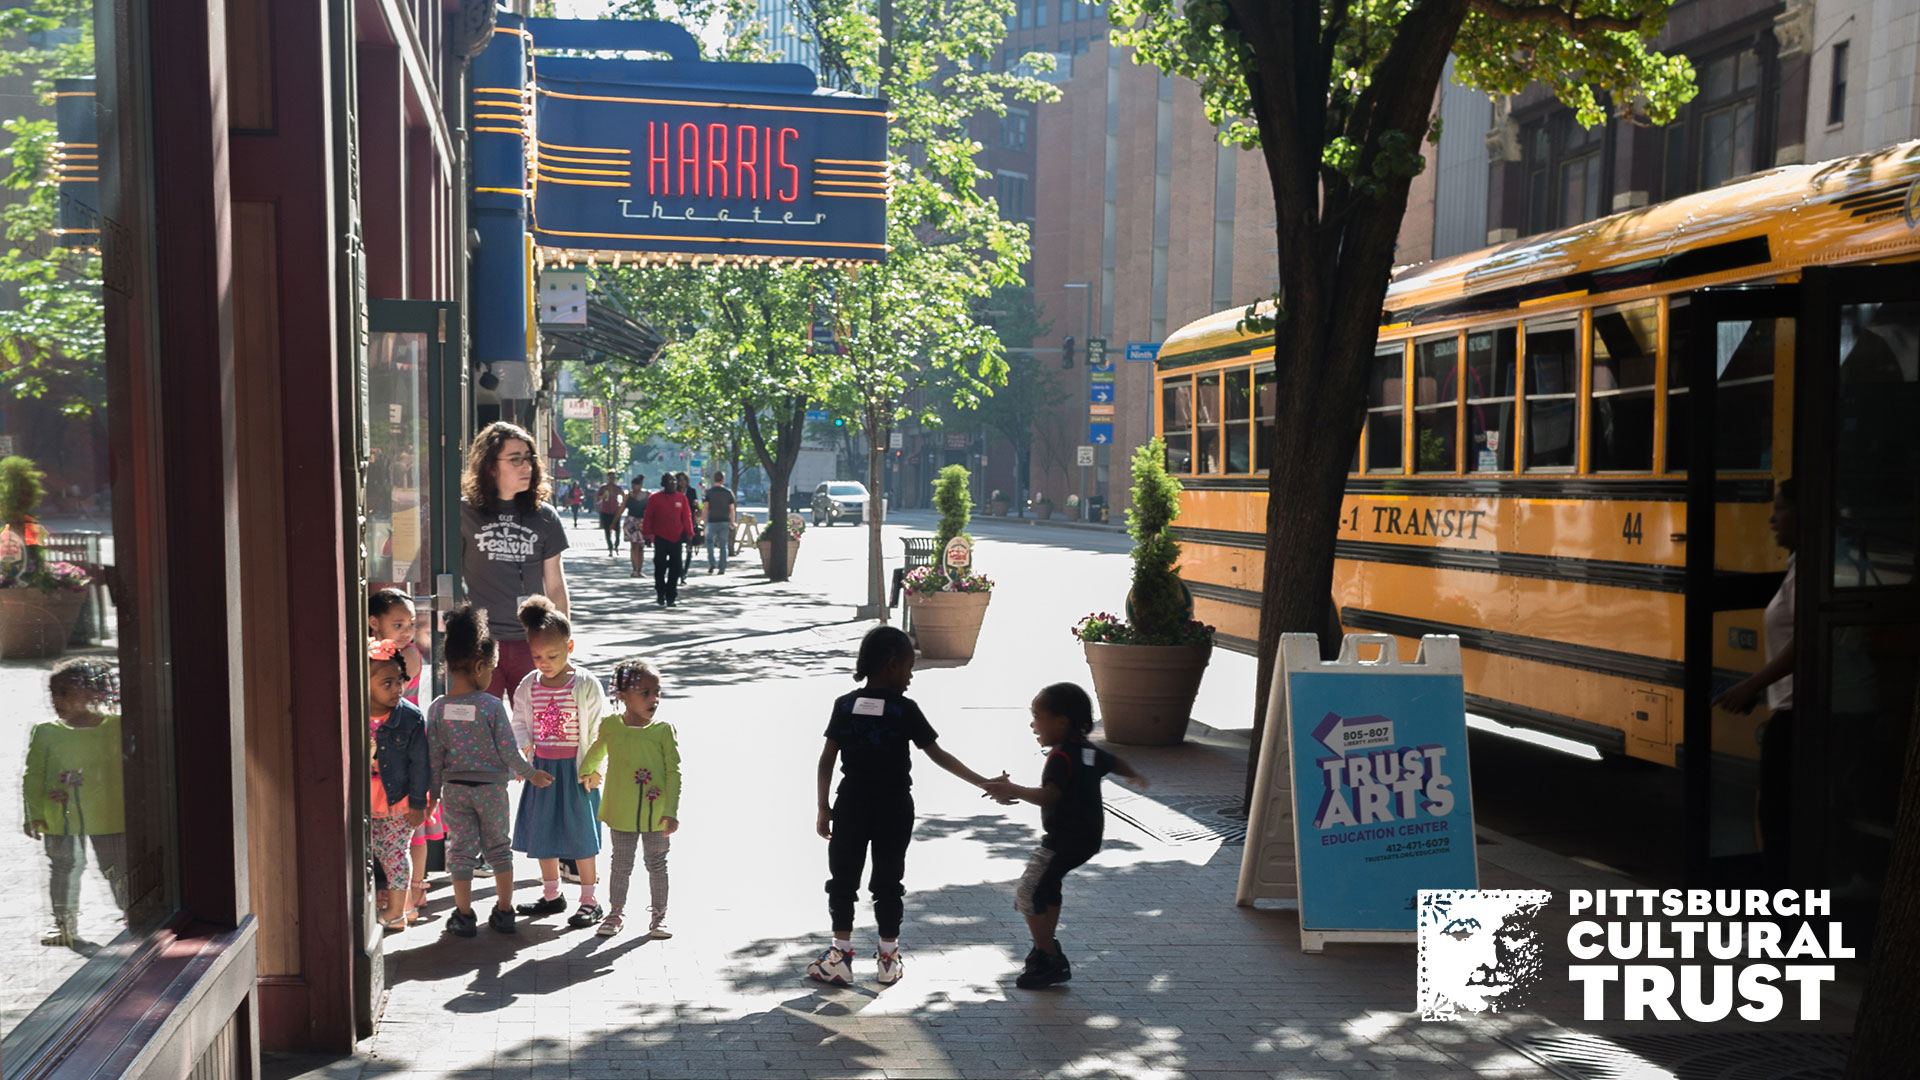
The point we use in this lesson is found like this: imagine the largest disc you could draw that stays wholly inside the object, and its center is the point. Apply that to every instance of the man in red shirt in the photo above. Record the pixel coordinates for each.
(667, 524)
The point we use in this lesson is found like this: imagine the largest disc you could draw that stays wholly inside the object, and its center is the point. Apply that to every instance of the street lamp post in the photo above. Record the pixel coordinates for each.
(1086, 384)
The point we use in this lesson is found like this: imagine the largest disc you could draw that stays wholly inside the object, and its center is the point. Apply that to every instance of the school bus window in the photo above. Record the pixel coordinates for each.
(1620, 419)
(1743, 427)
(1239, 406)
(1386, 405)
(1206, 414)
(1266, 395)
(1176, 421)
(1436, 403)
(1490, 375)
(1553, 391)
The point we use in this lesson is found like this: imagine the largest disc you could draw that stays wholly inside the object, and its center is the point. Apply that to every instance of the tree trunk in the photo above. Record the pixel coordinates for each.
(1884, 1036)
(876, 562)
(779, 458)
(1336, 256)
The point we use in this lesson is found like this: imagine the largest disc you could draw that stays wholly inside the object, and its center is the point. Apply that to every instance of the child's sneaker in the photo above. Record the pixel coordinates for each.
(463, 924)
(542, 907)
(612, 924)
(1044, 970)
(502, 921)
(891, 967)
(658, 931)
(586, 916)
(833, 967)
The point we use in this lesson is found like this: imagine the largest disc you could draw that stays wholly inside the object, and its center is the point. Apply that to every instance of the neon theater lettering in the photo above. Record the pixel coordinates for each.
(721, 161)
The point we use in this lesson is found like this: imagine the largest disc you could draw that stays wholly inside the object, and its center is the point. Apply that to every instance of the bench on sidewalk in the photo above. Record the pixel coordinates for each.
(920, 552)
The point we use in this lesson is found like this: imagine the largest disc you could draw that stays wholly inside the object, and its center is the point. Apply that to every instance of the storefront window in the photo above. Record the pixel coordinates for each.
(90, 769)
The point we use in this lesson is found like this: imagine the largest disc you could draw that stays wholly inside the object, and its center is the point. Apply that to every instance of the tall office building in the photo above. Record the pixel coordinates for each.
(787, 34)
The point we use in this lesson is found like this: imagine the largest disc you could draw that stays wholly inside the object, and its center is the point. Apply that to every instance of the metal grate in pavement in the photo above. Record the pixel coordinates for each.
(1697, 1056)
(1183, 819)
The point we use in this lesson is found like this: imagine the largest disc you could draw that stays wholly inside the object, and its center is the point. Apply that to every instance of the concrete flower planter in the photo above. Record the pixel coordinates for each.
(1043, 511)
(766, 554)
(37, 622)
(1146, 692)
(946, 625)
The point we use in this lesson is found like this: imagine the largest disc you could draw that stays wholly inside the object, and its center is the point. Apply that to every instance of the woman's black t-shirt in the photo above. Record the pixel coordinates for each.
(875, 730)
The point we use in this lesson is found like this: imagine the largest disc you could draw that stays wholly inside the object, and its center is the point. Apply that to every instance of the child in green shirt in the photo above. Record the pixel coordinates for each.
(73, 791)
(640, 801)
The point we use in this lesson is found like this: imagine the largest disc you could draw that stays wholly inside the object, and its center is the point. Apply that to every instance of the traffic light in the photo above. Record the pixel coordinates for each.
(1066, 352)
(839, 421)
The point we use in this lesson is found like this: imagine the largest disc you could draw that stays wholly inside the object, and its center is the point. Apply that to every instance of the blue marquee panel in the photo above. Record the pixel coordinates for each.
(499, 120)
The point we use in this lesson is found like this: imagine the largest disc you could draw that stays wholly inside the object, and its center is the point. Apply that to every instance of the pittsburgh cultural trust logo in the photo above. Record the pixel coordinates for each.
(1700, 955)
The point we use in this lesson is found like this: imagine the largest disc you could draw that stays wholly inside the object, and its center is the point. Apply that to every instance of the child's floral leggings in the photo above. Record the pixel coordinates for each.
(392, 836)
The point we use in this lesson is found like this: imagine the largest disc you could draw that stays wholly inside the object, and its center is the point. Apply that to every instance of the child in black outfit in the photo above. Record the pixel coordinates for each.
(1071, 820)
(870, 733)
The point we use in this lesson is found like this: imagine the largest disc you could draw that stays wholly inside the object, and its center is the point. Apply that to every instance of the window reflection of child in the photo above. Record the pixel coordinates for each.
(74, 792)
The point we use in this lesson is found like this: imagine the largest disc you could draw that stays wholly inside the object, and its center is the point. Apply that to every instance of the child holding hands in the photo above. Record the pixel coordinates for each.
(641, 799)
(1071, 820)
(473, 752)
(400, 773)
(870, 733)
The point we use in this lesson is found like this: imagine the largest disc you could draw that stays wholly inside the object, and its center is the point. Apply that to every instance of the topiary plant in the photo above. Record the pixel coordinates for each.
(20, 489)
(954, 500)
(1159, 601)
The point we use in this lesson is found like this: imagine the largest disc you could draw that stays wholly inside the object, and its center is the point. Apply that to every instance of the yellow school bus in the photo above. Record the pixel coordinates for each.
(1521, 478)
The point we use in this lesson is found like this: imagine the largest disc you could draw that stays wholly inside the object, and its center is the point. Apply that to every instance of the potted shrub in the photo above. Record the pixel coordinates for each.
(39, 600)
(1041, 506)
(948, 606)
(997, 504)
(795, 526)
(1147, 666)
(1073, 508)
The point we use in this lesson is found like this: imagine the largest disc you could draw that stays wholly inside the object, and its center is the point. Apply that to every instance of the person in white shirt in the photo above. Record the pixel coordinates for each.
(1774, 680)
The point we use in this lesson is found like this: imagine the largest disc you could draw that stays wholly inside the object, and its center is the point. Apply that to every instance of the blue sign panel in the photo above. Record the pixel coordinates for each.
(1382, 802)
(817, 414)
(1144, 352)
(1100, 434)
(705, 159)
(1100, 393)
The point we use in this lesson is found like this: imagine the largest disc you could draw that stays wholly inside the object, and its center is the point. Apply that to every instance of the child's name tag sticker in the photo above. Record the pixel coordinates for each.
(869, 706)
(1086, 756)
(461, 714)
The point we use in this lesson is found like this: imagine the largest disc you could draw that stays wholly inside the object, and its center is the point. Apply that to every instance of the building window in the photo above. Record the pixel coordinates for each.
(1837, 86)
(1490, 393)
(1620, 417)
(1553, 391)
(1386, 404)
(1176, 423)
(1718, 136)
(1040, 12)
(1436, 404)
(1013, 129)
(1069, 11)
(1012, 195)
(1026, 12)
(1565, 177)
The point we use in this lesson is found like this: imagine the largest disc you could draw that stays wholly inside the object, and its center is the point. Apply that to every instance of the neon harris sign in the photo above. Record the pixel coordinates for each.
(720, 161)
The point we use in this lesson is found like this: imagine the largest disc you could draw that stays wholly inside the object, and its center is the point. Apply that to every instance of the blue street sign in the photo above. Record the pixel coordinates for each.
(817, 414)
(1100, 434)
(697, 463)
(1143, 351)
(1100, 393)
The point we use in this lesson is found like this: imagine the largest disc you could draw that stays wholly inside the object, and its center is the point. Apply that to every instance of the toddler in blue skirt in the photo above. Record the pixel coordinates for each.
(556, 715)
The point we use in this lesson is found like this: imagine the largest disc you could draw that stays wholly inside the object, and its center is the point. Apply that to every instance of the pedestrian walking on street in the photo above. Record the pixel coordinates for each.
(512, 542)
(686, 487)
(641, 800)
(608, 502)
(575, 499)
(398, 787)
(557, 711)
(666, 524)
(1071, 820)
(871, 732)
(722, 514)
(636, 505)
(472, 752)
(75, 793)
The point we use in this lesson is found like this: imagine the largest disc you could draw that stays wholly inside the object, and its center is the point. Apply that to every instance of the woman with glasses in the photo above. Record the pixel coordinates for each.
(512, 539)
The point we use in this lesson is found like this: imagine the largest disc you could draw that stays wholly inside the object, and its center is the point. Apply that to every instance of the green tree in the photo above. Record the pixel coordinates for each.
(1337, 95)
(52, 330)
(915, 321)
(953, 497)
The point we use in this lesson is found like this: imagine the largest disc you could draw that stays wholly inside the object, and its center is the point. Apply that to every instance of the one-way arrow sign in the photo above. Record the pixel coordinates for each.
(1100, 434)
(1100, 393)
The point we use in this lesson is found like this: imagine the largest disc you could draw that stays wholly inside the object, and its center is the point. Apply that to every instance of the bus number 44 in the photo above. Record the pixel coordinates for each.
(1631, 529)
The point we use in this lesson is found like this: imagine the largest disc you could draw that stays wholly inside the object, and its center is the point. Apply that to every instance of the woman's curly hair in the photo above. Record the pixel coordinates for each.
(477, 488)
